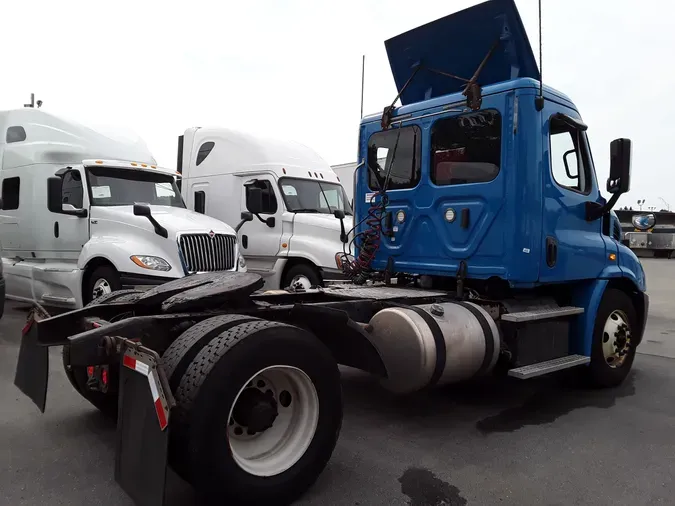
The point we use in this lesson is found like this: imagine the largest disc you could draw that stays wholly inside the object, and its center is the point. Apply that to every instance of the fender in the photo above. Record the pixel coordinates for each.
(118, 250)
(587, 295)
(629, 276)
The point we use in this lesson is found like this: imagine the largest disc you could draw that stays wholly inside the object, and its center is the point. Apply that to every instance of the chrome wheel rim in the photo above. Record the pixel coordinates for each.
(616, 339)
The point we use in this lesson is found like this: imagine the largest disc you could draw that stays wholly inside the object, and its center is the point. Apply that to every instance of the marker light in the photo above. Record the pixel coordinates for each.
(644, 221)
(400, 216)
(450, 215)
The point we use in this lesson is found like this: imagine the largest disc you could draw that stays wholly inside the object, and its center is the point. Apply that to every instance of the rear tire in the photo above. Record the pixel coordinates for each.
(77, 376)
(607, 369)
(220, 467)
(178, 357)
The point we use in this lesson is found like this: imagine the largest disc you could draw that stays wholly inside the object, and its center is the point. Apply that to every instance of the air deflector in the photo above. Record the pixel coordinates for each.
(456, 45)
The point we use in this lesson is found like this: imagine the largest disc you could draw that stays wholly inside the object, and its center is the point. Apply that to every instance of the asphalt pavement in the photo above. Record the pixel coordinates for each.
(505, 442)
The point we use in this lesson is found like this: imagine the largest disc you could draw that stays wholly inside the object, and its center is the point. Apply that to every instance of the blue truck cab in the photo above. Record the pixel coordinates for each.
(483, 179)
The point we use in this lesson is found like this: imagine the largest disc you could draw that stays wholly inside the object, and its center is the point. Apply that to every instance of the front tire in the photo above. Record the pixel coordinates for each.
(614, 333)
(302, 276)
(260, 410)
(101, 281)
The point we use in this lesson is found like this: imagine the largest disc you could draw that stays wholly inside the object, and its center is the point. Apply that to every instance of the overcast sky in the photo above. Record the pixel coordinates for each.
(292, 68)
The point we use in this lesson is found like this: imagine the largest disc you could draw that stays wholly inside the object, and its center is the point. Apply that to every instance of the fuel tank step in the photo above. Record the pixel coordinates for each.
(541, 368)
(541, 314)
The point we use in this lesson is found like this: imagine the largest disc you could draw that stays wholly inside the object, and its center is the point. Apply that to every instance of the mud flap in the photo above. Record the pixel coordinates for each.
(32, 368)
(145, 403)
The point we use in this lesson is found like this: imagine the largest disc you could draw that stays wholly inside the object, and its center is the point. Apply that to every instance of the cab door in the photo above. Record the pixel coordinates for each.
(260, 238)
(573, 248)
(71, 233)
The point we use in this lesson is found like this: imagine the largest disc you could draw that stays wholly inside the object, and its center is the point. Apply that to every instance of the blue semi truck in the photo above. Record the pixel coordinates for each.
(483, 245)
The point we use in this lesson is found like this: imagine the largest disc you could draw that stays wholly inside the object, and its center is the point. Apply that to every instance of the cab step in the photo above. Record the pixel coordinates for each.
(541, 368)
(541, 314)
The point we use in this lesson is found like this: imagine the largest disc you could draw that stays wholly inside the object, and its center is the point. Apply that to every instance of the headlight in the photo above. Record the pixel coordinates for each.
(242, 262)
(150, 262)
(644, 221)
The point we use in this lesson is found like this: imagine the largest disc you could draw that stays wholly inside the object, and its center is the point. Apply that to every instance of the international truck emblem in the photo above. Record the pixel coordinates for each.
(212, 234)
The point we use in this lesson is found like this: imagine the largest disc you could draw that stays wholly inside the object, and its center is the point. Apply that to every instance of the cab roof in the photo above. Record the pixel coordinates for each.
(33, 136)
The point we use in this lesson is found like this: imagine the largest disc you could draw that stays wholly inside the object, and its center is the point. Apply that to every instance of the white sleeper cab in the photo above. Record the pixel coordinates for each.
(84, 214)
(295, 235)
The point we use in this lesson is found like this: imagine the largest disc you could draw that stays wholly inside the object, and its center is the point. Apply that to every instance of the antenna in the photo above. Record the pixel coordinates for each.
(32, 102)
(539, 101)
(363, 77)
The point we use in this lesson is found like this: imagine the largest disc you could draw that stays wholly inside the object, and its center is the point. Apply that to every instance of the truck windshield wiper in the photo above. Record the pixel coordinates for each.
(305, 210)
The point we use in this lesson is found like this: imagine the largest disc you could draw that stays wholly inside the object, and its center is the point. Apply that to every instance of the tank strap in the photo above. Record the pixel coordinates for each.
(487, 334)
(439, 340)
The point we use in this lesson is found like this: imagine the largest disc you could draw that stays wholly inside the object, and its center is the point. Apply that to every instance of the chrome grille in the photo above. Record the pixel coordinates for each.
(203, 253)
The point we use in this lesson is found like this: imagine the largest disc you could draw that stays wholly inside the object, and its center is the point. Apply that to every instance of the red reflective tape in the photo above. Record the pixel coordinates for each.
(160, 414)
(27, 327)
(129, 362)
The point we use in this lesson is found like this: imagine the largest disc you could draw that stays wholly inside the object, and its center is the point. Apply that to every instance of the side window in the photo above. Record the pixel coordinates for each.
(567, 150)
(204, 151)
(15, 134)
(10, 193)
(269, 200)
(466, 149)
(200, 201)
(396, 151)
(72, 189)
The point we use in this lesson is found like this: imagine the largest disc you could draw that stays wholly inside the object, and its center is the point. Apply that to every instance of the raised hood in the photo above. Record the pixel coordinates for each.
(457, 44)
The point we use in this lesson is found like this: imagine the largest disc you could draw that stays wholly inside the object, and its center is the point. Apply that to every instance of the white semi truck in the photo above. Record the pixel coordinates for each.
(295, 238)
(84, 214)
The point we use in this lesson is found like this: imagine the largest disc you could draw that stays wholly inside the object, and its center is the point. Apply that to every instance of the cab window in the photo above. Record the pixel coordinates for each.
(569, 163)
(467, 148)
(396, 153)
(72, 190)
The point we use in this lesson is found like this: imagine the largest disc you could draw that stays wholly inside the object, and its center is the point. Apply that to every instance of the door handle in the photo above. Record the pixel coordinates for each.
(244, 241)
(56, 229)
(551, 251)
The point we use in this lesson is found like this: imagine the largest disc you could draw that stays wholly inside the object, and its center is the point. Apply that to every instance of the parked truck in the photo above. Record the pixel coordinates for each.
(83, 214)
(651, 232)
(483, 246)
(294, 238)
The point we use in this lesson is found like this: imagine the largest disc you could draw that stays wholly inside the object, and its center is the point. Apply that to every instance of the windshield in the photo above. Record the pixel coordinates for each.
(125, 187)
(312, 196)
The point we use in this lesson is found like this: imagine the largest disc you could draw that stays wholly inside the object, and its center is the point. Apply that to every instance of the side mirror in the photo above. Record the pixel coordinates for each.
(142, 210)
(245, 216)
(54, 184)
(254, 200)
(340, 215)
(619, 166)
